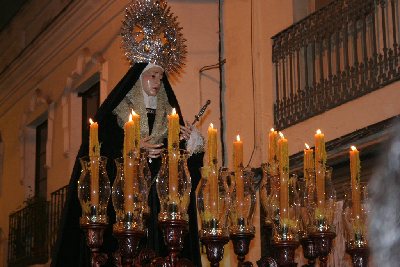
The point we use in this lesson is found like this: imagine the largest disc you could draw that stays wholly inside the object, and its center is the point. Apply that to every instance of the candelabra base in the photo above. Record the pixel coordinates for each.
(94, 239)
(174, 232)
(284, 251)
(215, 248)
(359, 256)
(241, 244)
(323, 242)
(309, 250)
(128, 241)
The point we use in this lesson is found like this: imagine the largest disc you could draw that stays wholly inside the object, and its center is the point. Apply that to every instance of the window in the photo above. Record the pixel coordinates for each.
(40, 164)
(90, 105)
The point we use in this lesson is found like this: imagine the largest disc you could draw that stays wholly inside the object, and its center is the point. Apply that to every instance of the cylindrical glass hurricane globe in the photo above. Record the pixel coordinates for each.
(129, 194)
(213, 201)
(94, 190)
(174, 185)
(243, 200)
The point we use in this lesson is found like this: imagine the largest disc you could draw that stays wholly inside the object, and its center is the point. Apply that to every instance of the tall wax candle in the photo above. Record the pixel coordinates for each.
(272, 145)
(237, 153)
(237, 165)
(173, 155)
(136, 130)
(283, 148)
(320, 162)
(308, 164)
(273, 151)
(212, 145)
(212, 163)
(355, 181)
(173, 130)
(94, 154)
(129, 172)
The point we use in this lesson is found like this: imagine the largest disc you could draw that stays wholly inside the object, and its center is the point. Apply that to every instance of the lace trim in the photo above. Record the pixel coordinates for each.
(195, 144)
(134, 99)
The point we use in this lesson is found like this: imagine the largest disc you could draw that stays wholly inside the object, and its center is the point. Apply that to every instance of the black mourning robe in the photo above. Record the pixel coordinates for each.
(70, 249)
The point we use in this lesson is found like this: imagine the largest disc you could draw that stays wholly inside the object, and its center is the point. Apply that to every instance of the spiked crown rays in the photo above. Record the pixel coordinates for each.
(151, 33)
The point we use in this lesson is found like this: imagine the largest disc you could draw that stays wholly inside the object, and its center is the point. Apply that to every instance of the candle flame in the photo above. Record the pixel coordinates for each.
(281, 135)
(173, 111)
(211, 126)
(130, 117)
(91, 121)
(353, 148)
(238, 138)
(134, 113)
(307, 146)
(319, 131)
(272, 130)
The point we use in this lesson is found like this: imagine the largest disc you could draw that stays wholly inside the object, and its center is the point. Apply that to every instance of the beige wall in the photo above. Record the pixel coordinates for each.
(83, 40)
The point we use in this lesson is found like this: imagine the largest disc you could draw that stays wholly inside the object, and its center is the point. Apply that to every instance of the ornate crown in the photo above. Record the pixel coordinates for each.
(150, 33)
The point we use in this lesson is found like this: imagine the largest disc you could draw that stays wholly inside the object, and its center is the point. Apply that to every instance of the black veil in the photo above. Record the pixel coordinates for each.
(70, 248)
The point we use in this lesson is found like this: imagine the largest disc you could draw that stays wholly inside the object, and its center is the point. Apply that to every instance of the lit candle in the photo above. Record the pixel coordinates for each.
(308, 161)
(136, 130)
(320, 162)
(212, 162)
(212, 145)
(129, 164)
(173, 155)
(173, 130)
(272, 145)
(237, 153)
(94, 147)
(283, 148)
(94, 153)
(355, 181)
(238, 167)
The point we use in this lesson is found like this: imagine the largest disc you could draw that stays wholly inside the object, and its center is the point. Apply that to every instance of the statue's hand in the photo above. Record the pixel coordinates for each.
(154, 150)
(186, 131)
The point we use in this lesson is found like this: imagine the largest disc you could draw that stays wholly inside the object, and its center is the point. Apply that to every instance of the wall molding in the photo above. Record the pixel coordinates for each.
(86, 62)
(40, 107)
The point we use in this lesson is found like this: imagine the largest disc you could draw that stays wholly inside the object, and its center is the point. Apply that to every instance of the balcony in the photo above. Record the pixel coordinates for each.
(339, 53)
(33, 230)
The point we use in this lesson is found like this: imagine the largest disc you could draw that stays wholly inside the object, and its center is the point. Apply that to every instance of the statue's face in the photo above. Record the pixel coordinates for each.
(151, 80)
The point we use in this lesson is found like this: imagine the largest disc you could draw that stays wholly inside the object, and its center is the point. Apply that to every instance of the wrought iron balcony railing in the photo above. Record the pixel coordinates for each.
(33, 230)
(341, 52)
(28, 233)
(57, 202)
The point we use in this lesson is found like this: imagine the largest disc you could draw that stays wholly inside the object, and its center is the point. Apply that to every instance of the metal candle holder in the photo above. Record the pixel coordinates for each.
(94, 240)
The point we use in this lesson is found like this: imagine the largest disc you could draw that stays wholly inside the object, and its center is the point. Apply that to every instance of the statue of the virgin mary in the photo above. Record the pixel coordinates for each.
(154, 45)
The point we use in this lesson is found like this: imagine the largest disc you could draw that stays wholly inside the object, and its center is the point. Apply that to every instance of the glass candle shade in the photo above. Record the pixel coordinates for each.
(289, 221)
(355, 223)
(305, 218)
(321, 206)
(174, 185)
(129, 194)
(94, 190)
(145, 173)
(269, 194)
(243, 202)
(213, 201)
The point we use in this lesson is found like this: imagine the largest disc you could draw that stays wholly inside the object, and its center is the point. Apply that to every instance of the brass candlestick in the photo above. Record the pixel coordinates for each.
(323, 242)
(241, 244)
(284, 252)
(310, 251)
(94, 240)
(359, 255)
(214, 248)
(128, 241)
(174, 232)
